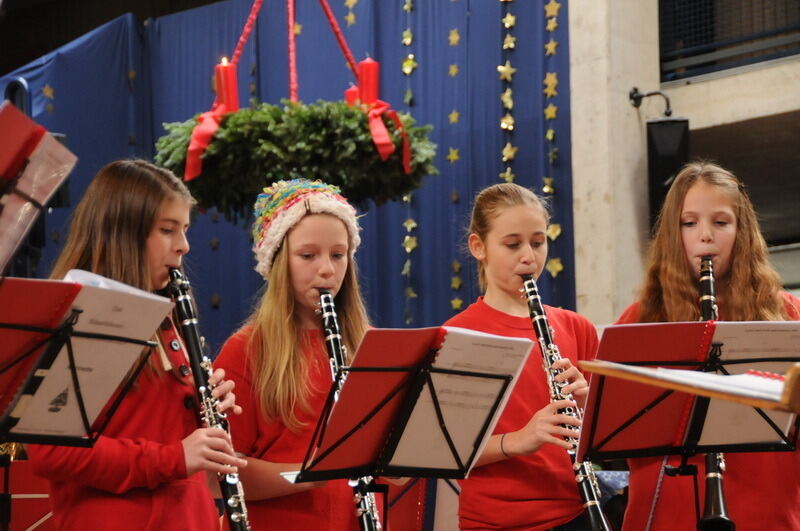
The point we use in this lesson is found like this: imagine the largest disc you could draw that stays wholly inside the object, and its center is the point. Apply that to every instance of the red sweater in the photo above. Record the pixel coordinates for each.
(536, 491)
(762, 490)
(330, 507)
(134, 478)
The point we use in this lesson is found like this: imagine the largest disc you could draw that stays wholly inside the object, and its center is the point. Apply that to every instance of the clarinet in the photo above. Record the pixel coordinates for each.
(366, 506)
(584, 473)
(229, 484)
(715, 514)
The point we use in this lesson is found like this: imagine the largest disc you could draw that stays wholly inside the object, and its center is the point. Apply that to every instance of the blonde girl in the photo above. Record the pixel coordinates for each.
(305, 235)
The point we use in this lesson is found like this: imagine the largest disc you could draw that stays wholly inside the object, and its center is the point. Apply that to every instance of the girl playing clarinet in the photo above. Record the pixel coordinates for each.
(524, 478)
(708, 213)
(147, 471)
(305, 235)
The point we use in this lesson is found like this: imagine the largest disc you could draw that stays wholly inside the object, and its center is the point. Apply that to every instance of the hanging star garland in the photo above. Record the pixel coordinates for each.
(507, 122)
(456, 266)
(507, 99)
(410, 224)
(509, 152)
(508, 176)
(550, 47)
(552, 25)
(548, 185)
(551, 8)
(553, 231)
(409, 64)
(550, 112)
(453, 117)
(456, 304)
(48, 92)
(455, 283)
(409, 243)
(509, 21)
(452, 70)
(350, 18)
(509, 42)
(554, 267)
(408, 37)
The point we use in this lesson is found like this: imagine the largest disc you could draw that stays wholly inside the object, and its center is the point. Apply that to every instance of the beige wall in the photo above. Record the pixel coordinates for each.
(614, 47)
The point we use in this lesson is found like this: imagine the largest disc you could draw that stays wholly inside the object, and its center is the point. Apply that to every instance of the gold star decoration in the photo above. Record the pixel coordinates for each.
(550, 91)
(350, 4)
(453, 70)
(452, 155)
(409, 243)
(407, 197)
(554, 267)
(214, 242)
(453, 117)
(49, 92)
(507, 122)
(298, 28)
(49, 108)
(455, 265)
(550, 47)
(408, 97)
(410, 224)
(552, 24)
(409, 64)
(410, 293)
(552, 155)
(454, 196)
(455, 283)
(509, 21)
(551, 79)
(131, 75)
(551, 8)
(506, 71)
(548, 185)
(550, 112)
(408, 37)
(406, 272)
(507, 98)
(509, 42)
(508, 175)
(453, 38)
(215, 300)
(509, 152)
(408, 6)
(550, 135)
(350, 18)
(554, 231)
(456, 303)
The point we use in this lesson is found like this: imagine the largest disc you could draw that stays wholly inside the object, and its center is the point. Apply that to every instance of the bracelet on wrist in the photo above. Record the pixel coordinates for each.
(502, 450)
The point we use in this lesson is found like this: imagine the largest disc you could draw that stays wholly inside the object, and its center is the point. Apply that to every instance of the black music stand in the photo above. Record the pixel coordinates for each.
(403, 383)
(626, 419)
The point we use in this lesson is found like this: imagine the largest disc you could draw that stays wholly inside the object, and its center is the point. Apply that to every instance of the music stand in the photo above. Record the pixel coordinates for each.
(401, 384)
(625, 419)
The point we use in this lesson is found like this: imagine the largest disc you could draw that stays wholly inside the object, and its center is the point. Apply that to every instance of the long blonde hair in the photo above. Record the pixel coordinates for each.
(281, 373)
(490, 203)
(670, 290)
(109, 227)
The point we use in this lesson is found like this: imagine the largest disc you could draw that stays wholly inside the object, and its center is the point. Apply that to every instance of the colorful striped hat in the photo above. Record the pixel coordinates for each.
(283, 204)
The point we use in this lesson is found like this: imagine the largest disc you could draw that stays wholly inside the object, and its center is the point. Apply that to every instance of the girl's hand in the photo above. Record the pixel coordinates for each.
(544, 427)
(578, 386)
(223, 391)
(210, 449)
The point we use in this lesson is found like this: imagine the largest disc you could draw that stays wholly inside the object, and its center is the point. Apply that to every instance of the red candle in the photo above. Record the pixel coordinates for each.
(368, 80)
(227, 87)
(351, 95)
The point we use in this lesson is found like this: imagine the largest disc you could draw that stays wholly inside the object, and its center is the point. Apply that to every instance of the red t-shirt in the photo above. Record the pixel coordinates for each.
(330, 507)
(134, 478)
(537, 491)
(762, 490)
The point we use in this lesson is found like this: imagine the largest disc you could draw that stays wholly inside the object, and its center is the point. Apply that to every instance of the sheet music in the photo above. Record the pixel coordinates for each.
(732, 423)
(118, 310)
(465, 401)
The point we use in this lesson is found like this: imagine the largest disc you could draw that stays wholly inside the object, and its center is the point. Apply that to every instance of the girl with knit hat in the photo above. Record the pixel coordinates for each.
(305, 235)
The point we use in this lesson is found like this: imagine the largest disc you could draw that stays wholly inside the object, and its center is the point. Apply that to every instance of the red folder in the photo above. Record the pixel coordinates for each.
(626, 419)
(19, 136)
(31, 302)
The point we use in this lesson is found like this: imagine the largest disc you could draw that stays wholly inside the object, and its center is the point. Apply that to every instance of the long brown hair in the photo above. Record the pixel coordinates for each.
(490, 203)
(275, 347)
(109, 227)
(670, 291)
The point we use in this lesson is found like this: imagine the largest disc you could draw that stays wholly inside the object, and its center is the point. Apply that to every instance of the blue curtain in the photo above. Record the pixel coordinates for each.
(114, 87)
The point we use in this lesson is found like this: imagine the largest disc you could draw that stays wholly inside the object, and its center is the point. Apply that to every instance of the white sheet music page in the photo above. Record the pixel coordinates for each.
(465, 401)
(108, 307)
(771, 347)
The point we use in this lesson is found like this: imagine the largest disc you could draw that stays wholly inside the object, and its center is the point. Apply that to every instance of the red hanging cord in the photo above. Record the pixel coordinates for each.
(292, 52)
(339, 37)
(248, 27)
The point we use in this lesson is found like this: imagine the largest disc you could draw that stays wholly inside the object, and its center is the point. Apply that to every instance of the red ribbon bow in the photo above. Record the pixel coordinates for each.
(382, 138)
